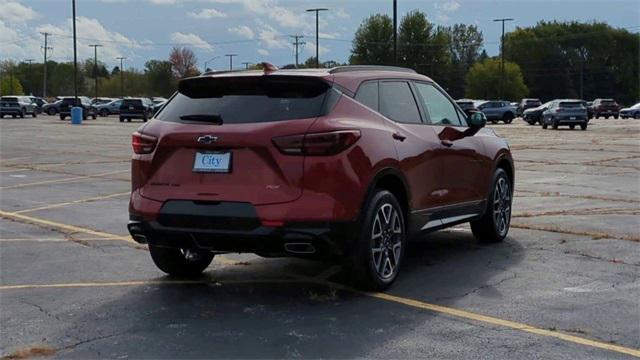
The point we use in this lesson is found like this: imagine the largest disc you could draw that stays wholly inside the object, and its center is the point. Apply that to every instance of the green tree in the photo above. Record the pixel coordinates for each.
(465, 45)
(10, 85)
(484, 79)
(160, 78)
(373, 42)
(415, 41)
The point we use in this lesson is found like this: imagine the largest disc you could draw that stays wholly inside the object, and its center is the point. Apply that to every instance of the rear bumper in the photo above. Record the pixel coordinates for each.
(133, 114)
(10, 111)
(607, 112)
(312, 240)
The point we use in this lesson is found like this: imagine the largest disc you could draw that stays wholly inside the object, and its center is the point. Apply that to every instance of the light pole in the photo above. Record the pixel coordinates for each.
(395, 32)
(208, 61)
(503, 20)
(231, 60)
(317, 11)
(75, 54)
(121, 76)
(95, 65)
(30, 61)
(246, 65)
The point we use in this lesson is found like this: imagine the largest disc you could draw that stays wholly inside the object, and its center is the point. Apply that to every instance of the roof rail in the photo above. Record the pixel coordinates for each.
(350, 68)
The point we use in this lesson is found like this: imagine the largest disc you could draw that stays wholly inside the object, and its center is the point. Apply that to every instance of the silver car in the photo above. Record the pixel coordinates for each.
(497, 110)
(567, 112)
(109, 108)
(18, 106)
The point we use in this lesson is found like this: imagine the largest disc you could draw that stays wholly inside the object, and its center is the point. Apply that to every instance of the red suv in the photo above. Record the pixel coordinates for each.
(345, 163)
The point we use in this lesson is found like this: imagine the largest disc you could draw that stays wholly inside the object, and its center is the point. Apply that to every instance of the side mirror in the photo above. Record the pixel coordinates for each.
(477, 120)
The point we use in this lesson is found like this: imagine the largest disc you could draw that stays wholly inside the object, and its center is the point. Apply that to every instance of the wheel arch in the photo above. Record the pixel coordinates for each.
(392, 180)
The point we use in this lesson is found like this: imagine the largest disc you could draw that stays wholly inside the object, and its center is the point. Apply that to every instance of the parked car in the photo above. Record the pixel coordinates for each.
(606, 108)
(158, 106)
(220, 169)
(17, 106)
(136, 108)
(567, 112)
(84, 102)
(527, 104)
(52, 108)
(109, 108)
(101, 101)
(631, 112)
(158, 100)
(589, 106)
(40, 102)
(497, 110)
(534, 115)
(467, 106)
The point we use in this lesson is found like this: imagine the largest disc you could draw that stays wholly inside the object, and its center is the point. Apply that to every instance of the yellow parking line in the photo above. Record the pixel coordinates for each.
(75, 178)
(63, 227)
(52, 206)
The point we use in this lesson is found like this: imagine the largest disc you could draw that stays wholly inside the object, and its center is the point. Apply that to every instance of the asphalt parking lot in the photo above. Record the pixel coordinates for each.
(565, 284)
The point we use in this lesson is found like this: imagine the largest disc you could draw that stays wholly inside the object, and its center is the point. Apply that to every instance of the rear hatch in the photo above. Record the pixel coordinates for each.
(571, 109)
(67, 104)
(9, 102)
(215, 138)
(132, 106)
(608, 105)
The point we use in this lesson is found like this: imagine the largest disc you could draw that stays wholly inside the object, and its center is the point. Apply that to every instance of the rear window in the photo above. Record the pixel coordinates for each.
(250, 99)
(69, 101)
(9, 99)
(607, 102)
(131, 102)
(533, 102)
(566, 104)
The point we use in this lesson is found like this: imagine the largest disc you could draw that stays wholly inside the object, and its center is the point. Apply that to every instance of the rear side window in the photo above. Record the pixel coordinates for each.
(368, 95)
(566, 104)
(8, 99)
(250, 99)
(397, 102)
(441, 110)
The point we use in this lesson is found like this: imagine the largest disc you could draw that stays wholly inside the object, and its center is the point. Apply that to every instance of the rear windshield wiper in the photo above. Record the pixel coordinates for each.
(216, 119)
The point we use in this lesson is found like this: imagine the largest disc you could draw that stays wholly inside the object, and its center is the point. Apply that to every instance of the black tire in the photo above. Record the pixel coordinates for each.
(606, 117)
(554, 125)
(34, 114)
(62, 117)
(180, 262)
(14, 116)
(494, 121)
(636, 115)
(51, 111)
(94, 116)
(371, 272)
(121, 119)
(104, 112)
(544, 123)
(583, 126)
(144, 118)
(615, 117)
(572, 127)
(23, 113)
(507, 118)
(128, 119)
(492, 227)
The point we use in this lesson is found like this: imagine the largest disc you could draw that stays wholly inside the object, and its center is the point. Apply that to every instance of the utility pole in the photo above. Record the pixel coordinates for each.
(46, 49)
(246, 65)
(30, 61)
(95, 65)
(296, 43)
(231, 60)
(121, 76)
(503, 20)
(317, 11)
(75, 55)
(395, 32)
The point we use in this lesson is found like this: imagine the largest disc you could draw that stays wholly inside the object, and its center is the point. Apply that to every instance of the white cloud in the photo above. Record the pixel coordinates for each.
(281, 15)
(190, 40)
(310, 49)
(14, 12)
(243, 31)
(442, 18)
(263, 52)
(340, 13)
(448, 6)
(207, 14)
(271, 39)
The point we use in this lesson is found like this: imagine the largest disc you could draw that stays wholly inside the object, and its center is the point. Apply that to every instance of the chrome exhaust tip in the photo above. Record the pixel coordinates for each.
(299, 248)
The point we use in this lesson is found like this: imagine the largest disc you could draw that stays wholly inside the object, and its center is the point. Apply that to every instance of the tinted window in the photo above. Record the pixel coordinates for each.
(397, 102)
(9, 99)
(441, 110)
(368, 95)
(251, 99)
(69, 101)
(131, 102)
(566, 104)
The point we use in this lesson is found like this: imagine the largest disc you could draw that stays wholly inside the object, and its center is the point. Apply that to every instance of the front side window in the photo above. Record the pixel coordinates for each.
(397, 102)
(441, 110)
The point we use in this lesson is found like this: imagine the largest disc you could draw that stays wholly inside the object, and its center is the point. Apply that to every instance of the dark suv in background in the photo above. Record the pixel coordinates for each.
(18, 106)
(606, 108)
(345, 163)
(527, 104)
(84, 102)
(136, 108)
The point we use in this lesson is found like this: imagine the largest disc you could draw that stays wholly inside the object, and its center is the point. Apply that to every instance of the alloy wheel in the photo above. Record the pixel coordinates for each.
(386, 241)
(502, 205)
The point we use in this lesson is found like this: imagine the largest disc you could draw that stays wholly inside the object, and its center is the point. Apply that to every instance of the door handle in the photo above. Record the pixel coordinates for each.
(399, 136)
(447, 143)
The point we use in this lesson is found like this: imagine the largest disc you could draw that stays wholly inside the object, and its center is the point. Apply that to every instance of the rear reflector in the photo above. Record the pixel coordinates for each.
(318, 144)
(143, 144)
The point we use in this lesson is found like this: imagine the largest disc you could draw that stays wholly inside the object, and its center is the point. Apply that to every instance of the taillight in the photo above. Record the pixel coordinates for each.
(143, 144)
(327, 143)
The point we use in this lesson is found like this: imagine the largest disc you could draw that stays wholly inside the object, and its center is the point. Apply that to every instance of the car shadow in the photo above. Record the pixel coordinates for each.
(265, 308)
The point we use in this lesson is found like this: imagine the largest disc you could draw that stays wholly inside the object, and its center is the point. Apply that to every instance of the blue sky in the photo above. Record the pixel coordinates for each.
(256, 30)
